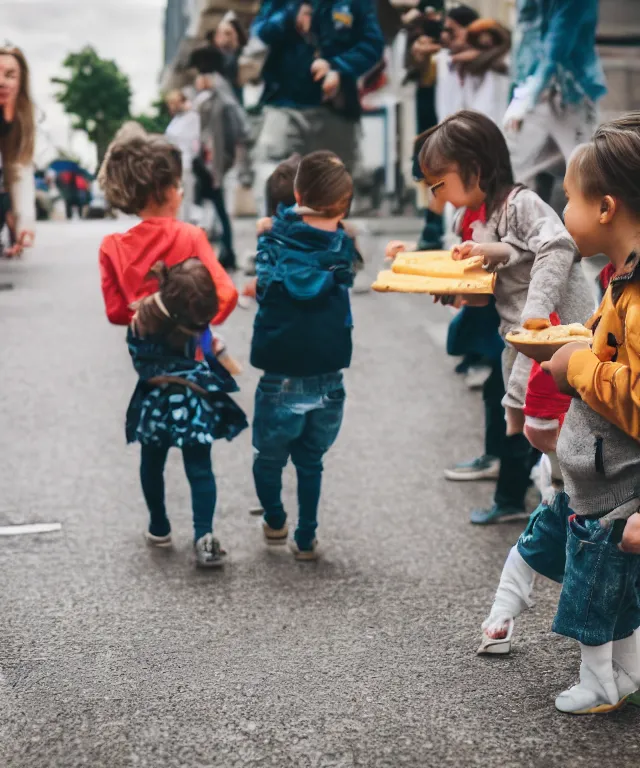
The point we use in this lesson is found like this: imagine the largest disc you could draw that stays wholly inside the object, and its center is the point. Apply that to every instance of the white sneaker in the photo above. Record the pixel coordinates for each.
(209, 553)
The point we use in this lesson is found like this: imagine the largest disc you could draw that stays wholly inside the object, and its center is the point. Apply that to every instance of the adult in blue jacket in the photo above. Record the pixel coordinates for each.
(317, 52)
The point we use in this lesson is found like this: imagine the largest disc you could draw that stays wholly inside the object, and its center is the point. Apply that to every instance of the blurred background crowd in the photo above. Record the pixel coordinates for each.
(245, 84)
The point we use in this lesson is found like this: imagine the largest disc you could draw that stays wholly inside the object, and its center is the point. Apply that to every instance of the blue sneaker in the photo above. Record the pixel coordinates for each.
(498, 515)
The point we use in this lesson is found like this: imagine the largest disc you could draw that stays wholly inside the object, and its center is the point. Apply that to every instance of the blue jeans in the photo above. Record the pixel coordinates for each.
(197, 465)
(543, 543)
(298, 418)
(600, 598)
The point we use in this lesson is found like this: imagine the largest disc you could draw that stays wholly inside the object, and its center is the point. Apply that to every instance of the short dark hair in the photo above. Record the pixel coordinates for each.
(140, 171)
(324, 184)
(188, 294)
(610, 163)
(462, 15)
(280, 185)
(472, 143)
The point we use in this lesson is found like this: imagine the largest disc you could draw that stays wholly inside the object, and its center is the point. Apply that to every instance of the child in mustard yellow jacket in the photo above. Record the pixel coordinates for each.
(590, 539)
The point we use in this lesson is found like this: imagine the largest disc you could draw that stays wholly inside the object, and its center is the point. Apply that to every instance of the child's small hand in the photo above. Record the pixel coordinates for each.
(491, 253)
(463, 250)
(448, 300)
(320, 69)
(559, 365)
(393, 249)
(331, 85)
(264, 225)
(631, 536)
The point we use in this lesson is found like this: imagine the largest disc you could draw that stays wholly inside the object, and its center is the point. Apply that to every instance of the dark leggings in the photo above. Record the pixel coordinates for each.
(217, 198)
(517, 457)
(197, 465)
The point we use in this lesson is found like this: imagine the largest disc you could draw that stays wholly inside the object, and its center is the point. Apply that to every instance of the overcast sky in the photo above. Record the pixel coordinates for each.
(128, 31)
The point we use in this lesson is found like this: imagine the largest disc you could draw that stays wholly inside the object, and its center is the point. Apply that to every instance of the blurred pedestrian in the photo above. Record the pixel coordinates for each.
(558, 81)
(433, 55)
(224, 136)
(184, 132)
(17, 141)
(230, 39)
(317, 52)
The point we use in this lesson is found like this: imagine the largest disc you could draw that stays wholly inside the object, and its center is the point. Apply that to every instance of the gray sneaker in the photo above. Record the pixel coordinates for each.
(482, 468)
(209, 553)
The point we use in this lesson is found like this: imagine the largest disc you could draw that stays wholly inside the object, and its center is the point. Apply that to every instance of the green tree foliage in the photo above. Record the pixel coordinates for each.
(158, 120)
(96, 93)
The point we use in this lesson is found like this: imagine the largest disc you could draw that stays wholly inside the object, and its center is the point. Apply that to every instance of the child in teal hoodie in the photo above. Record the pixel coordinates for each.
(302, 342)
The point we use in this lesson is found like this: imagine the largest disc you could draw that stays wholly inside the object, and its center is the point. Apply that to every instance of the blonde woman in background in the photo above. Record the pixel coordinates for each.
(17, 141)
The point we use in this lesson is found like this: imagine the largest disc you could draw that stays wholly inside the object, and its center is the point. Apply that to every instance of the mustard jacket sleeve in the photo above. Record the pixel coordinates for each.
(612, 389)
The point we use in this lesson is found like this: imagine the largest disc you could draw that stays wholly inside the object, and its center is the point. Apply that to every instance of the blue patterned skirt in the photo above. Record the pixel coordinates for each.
(173, 414)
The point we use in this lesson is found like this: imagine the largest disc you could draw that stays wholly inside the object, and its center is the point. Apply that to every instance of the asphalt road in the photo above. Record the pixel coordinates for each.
(113, 655)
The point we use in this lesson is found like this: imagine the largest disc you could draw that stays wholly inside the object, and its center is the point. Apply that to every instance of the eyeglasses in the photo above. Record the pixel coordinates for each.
(435, 187)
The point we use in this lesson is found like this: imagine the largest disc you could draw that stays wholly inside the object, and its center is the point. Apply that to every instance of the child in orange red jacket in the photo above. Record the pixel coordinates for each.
(181, 399)
(143, 177)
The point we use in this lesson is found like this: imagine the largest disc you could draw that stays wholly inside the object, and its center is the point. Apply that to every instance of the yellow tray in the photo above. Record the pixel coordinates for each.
(436, 264)
(397, 282)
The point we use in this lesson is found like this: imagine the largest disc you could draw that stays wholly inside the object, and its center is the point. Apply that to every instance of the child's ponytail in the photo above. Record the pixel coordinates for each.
(183, 306)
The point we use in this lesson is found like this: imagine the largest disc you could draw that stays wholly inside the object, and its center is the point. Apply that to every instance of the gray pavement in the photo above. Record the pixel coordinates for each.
(112, 655)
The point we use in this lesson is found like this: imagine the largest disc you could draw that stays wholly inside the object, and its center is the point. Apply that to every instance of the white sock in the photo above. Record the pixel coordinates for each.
(598, 660)
(514, 590)
(626, 653)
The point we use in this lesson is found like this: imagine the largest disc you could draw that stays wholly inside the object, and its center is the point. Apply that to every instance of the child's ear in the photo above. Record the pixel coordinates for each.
(608, 207)
(296, 194)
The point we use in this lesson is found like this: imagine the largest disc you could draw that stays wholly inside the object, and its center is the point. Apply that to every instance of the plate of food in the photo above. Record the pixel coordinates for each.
(540, 342)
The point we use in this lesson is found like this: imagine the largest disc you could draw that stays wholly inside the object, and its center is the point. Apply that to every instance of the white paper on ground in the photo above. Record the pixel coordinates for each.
(20, 530)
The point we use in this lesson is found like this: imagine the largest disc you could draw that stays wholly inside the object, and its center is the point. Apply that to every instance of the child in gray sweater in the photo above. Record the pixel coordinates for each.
(466, 162)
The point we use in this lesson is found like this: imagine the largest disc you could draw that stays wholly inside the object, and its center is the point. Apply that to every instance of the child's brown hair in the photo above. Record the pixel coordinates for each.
(184, 304)
(610, 163)
(280, 185)
(139, 172)
(323, 184)
(474, 145)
